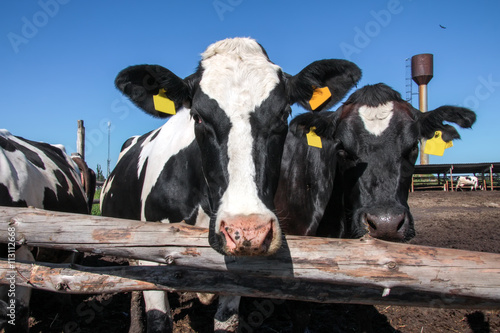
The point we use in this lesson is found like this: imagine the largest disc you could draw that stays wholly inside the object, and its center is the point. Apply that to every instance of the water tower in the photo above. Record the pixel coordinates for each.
(422, 72)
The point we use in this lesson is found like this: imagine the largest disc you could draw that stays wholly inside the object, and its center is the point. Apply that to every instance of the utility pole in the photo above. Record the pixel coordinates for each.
(109, 141)
(80, 139)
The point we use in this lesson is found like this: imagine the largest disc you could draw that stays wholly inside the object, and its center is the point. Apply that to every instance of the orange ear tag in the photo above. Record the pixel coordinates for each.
(162, 103)
(313, 139)
(320, 96)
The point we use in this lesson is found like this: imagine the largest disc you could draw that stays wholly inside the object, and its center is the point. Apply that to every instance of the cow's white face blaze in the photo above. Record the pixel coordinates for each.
(240, 77)
(376, 118)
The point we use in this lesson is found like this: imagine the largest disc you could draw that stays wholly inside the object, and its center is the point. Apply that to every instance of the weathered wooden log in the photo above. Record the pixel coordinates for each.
(365, 271)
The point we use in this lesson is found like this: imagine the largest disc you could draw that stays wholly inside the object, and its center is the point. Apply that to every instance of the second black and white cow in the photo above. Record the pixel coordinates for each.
(359, 182)
(40, 175)
(216, 162)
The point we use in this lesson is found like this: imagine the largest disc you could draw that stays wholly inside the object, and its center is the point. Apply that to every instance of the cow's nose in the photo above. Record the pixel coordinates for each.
(248, 235)
(392, 227)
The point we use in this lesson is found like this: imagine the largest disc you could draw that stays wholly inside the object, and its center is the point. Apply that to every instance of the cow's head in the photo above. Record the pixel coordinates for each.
(239, 101)
(379, 136)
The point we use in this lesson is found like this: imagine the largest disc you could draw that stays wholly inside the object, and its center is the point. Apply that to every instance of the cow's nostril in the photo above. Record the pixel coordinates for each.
(371, 224)
(401, 224)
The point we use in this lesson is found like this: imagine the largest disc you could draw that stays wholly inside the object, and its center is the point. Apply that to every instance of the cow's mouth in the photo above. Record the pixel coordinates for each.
(243, 240)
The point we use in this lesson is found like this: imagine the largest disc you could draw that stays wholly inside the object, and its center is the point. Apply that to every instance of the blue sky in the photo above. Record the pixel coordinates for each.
(59, 58)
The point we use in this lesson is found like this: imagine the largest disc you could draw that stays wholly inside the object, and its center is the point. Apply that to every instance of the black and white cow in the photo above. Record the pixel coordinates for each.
(40, 175)
(216, 162)
(471, 181)
(359, 182)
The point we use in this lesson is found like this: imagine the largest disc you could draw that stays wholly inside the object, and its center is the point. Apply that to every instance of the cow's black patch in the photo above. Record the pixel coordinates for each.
(187, 189)
(31, 156)
(7, 144)
(374, 95)
(269, 128)
(6, 198)
(158, 322)
(61, 179)
(127, 143)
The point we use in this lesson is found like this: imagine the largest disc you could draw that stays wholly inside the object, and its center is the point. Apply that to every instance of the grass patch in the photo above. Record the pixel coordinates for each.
(96, 208)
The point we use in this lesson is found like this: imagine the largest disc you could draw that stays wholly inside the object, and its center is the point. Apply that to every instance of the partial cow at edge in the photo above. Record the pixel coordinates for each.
(359, 182)
(43, 176)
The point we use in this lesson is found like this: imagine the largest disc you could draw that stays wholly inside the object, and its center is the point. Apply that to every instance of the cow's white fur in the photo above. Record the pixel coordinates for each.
(376, 119)
(25, 180)
(239, 76)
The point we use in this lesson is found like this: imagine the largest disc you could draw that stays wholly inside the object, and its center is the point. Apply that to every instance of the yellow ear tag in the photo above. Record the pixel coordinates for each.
(313, 139)
(437, 145)
(162, 103)
(320, 96)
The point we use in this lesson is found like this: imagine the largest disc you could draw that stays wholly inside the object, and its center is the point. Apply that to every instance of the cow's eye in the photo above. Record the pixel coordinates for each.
(344, 154)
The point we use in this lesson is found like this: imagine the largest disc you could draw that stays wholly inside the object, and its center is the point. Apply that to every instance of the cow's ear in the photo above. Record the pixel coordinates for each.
(324, 123)
(432, 121)
(142, 83)
(338, 75)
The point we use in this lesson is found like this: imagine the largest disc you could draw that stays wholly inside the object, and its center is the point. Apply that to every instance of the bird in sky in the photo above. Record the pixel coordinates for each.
(442, 27)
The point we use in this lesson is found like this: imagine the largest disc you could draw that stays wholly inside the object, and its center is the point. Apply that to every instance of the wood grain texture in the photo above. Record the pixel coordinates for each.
(362, 271)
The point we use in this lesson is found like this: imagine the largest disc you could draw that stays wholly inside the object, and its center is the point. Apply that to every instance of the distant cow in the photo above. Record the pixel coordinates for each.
(216, 161)
(467, 181)
(359, 182)
(44, 176)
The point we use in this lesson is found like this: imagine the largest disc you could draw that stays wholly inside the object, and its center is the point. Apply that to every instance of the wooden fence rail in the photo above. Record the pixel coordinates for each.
(363, 271)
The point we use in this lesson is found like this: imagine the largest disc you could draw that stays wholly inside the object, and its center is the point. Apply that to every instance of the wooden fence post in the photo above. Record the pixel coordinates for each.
(80, 139)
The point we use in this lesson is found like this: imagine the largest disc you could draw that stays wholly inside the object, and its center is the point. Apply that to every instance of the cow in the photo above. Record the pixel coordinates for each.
(216, 162)
(358, 182)
(40, 175)
(467, 181)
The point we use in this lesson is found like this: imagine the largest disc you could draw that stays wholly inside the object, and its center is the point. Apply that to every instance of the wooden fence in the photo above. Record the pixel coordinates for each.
(361, 271)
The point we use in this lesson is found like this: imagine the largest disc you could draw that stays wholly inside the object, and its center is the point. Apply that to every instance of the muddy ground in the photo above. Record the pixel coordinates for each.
(463, 220)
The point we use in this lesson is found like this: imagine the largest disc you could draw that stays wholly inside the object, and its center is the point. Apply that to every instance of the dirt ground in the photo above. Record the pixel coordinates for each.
(462, 220)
